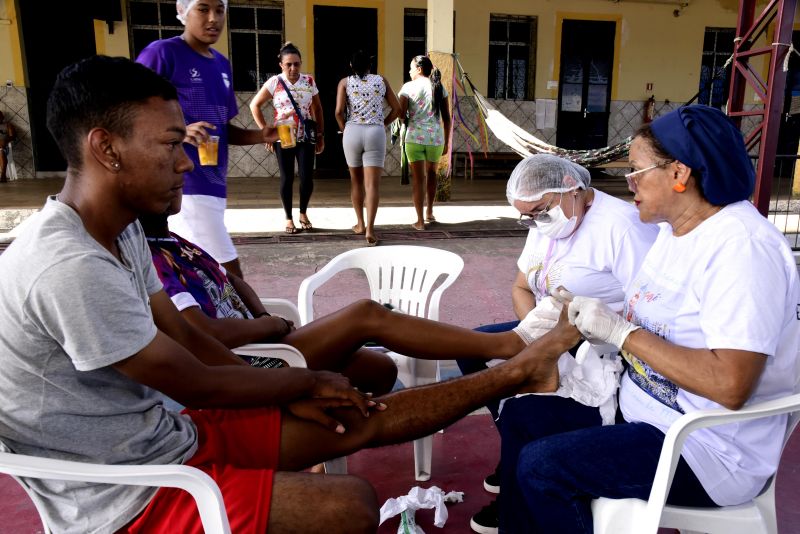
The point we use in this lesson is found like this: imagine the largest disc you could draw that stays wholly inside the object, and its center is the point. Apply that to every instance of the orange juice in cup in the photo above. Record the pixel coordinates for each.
(208, 150)
(286, 133)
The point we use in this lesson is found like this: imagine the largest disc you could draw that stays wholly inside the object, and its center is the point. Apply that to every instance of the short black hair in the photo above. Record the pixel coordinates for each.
(99, 91)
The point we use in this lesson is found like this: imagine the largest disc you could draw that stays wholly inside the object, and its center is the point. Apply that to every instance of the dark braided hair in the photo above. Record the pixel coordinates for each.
(288, 48)
(426, 66)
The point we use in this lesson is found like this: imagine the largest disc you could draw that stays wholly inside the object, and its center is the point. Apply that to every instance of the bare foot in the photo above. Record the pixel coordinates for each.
(319, 469)
(540, 358)
(357, 229)
(419, 225)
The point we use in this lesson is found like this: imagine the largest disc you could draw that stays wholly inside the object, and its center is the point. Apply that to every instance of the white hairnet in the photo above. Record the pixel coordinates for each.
(544, 173)
(184, 6)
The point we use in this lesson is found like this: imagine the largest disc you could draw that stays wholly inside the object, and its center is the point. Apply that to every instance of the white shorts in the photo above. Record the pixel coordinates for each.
(202, 221)
(364, 145)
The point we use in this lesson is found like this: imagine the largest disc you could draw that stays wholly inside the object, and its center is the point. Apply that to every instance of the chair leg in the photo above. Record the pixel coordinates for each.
(337, 466)
(423, 451)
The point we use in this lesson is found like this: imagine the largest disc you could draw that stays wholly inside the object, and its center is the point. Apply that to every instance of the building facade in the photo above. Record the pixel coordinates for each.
(576, 73)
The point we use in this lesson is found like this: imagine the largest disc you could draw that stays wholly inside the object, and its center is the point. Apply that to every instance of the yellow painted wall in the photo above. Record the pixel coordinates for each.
(654, 45)
(10, 52)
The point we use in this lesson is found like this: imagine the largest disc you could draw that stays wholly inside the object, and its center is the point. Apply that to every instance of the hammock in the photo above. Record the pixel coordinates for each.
(526, 144)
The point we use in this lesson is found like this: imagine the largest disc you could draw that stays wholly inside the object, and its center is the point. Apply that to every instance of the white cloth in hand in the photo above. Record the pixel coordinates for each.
(598, 323)
(539, 320)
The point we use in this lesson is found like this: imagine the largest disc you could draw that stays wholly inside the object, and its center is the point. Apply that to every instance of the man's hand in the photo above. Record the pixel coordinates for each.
(337, 386)
(270, 134)
(317, 410)
(197, 132)
(275, 328)
(599, 323)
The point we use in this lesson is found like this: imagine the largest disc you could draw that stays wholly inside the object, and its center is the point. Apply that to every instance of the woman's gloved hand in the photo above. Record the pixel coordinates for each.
(598, 323)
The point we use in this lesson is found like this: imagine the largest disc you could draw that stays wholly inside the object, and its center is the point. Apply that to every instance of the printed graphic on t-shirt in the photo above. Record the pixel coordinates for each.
(186, 268)
(650, 381)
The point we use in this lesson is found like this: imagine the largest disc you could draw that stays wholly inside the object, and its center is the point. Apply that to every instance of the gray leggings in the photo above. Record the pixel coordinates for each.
(364, 145)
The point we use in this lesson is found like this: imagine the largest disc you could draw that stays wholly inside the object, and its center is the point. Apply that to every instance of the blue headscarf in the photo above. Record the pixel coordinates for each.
(706, 140)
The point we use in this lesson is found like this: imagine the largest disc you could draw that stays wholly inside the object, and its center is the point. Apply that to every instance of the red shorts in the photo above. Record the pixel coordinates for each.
(239, 450)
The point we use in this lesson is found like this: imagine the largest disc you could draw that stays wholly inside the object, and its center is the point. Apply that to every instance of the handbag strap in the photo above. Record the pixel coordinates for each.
(288, 92)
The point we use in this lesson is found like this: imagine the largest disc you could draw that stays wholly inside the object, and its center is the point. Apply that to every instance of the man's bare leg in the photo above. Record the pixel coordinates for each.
(344, 504)
(326, 341)
(417, 412)
(410, 414)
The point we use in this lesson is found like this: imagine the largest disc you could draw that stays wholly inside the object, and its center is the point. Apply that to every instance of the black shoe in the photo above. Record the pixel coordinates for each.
(486, 521)
(492, 482)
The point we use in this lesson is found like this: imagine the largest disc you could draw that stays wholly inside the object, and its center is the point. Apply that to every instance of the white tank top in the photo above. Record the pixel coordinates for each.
(365, 99)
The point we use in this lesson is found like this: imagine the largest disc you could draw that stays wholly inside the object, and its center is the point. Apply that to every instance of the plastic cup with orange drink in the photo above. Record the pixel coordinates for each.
(286, 133)
(208, 150)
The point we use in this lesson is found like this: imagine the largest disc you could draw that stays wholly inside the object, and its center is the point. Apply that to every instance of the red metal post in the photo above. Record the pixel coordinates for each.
(771, 91)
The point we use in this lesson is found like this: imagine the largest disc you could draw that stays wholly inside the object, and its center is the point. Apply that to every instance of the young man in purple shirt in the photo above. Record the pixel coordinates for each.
(203, 79)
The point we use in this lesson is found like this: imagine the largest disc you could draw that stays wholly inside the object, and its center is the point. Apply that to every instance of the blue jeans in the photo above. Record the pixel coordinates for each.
(555, 458)
(469, 366)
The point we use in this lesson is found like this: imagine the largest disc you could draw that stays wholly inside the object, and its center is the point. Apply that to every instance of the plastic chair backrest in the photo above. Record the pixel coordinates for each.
(201, 486)
(400, 275)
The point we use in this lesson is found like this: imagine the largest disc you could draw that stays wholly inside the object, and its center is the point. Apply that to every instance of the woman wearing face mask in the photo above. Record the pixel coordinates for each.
(304, 92)
(580, 238)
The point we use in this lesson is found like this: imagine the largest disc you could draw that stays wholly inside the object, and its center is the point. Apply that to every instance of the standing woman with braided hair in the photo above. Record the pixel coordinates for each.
(425, 100)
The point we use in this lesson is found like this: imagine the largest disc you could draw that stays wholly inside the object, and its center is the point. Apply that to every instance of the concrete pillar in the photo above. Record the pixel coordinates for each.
(440, 49)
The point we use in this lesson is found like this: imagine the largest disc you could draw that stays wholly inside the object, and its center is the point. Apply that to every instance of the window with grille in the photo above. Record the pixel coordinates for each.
(256, 32)
(415, 24)
(714, 76)
(512, 57)
(151, 20)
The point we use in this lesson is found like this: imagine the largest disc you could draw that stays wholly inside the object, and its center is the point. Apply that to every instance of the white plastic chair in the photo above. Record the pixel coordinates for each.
(622, 516)
(402, 276)
(204, 490)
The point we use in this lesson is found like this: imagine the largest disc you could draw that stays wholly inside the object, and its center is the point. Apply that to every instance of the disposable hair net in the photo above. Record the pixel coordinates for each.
(539, 174)
(184, 6)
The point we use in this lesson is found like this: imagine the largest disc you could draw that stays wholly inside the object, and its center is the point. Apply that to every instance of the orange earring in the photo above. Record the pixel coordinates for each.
(679, 188)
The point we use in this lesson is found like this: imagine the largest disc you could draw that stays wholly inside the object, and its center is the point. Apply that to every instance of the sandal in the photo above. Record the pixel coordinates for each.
(291, 229)
(430, 219)
(306, 225)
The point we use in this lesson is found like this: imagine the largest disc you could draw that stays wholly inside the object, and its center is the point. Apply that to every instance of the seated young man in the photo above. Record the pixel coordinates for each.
(224, 306)
(90, 345)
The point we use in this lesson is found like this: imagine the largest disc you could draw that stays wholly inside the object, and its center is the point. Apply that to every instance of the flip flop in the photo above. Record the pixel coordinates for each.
(306, 225)
(430, 219)
(414, 226)
(291, 230)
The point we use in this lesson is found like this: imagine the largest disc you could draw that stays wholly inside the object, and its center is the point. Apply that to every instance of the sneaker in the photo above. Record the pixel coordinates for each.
(486, 521)
(492, 483)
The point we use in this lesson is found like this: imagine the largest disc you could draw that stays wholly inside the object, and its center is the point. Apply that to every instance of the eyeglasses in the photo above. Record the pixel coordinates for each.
(633, 183)
(529, 220)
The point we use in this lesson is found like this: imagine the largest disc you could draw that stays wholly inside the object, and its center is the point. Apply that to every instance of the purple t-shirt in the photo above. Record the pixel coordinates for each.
(193, 278)
(205, 92)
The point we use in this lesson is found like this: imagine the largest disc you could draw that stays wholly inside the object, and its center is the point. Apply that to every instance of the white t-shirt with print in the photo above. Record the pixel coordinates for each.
(424, 127)
(731, 283)
(598, 260)
(303, 92)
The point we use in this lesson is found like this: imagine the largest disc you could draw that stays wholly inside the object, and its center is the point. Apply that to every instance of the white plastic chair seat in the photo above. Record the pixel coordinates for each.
(202, 487)
(403, 276)
(635, 516)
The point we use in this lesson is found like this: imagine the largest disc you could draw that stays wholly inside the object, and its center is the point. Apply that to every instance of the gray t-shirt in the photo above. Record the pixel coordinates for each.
(69, 310)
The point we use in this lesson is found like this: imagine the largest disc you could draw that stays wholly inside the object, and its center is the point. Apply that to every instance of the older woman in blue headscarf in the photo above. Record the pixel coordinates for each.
(710, 321)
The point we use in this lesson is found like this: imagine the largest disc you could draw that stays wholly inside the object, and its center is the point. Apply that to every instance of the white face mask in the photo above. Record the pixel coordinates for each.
(559, 226)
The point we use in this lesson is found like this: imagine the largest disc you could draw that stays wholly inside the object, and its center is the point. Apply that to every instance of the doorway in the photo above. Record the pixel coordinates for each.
(332, 50)
(43, 63)
(584, 86)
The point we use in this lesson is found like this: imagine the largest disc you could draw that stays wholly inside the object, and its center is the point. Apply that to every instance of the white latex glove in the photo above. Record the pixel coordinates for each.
(597, 322)
(539, 320)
